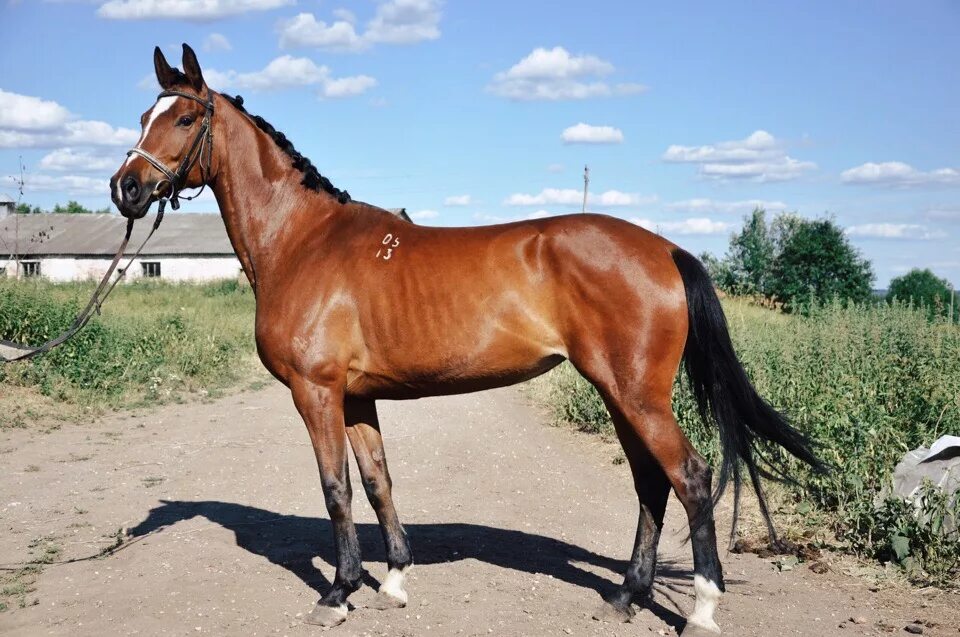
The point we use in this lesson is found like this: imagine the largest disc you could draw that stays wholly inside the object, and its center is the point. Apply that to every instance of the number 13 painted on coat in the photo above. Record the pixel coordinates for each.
(386, 247)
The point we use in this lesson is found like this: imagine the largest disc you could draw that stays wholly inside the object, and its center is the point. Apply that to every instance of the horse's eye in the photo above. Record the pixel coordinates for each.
(186, 120)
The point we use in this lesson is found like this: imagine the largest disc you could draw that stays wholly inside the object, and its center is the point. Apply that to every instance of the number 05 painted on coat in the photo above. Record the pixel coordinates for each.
(386, 246)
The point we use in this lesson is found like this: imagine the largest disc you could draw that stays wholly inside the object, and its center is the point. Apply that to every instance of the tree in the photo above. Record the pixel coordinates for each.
(817, 262)
(746, 267)
(26, 209)
(75, 207)
(924, 288)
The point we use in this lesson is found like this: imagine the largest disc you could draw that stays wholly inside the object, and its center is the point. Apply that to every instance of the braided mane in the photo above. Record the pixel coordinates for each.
(312, 178)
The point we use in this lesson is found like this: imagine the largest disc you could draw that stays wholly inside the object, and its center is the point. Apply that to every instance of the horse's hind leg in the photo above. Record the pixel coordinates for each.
(638, 399)
(690, 476)
(653, 489)
(363, 431)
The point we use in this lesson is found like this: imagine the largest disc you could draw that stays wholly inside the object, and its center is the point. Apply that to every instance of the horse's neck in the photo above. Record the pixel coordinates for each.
(260, 196)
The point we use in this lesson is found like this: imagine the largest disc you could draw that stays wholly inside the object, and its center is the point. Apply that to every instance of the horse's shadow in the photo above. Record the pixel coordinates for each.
(292, 541)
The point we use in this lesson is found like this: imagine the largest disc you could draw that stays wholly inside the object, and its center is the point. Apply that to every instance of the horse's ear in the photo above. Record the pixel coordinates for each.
(166, 76)
(192, 68)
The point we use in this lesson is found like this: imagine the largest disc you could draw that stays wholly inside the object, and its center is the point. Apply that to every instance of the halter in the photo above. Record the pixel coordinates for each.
(202, 142)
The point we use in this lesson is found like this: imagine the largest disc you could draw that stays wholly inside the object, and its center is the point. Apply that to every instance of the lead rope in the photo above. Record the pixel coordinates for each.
(93, 306)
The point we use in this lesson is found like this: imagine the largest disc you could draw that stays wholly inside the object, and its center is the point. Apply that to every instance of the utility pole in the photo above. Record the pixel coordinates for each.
(586, 186)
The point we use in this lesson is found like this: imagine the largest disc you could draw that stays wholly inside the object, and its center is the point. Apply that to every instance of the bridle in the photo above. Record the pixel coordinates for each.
(202, 144)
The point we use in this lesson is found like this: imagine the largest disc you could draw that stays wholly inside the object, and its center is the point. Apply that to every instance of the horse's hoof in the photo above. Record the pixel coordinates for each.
(696, 630)
(386, 601)
(614, 614)
(327, 616)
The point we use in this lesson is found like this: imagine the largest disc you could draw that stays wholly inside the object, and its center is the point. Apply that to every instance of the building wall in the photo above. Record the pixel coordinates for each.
(174, 269)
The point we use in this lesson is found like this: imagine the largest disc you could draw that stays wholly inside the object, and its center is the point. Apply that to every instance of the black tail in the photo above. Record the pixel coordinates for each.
(748, 424)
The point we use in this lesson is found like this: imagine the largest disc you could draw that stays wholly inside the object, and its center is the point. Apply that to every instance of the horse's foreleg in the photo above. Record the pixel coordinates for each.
(363, 431)
(321, 407)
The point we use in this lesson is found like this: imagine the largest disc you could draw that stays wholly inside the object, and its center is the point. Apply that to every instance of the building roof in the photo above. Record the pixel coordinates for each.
(5, 198)
(62, 234)
(98, 234)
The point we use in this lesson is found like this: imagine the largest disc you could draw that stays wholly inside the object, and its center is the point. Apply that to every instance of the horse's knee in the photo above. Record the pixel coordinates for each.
(337, 494)
(377, 488)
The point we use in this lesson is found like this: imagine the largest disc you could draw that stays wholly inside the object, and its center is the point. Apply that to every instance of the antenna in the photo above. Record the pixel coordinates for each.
(586, 185)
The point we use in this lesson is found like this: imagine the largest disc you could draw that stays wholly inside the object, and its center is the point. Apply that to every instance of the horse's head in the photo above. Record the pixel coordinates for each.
(175, 147)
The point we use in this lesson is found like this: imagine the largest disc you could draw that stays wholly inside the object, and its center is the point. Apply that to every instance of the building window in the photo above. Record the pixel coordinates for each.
(151, 269)
(29, 268)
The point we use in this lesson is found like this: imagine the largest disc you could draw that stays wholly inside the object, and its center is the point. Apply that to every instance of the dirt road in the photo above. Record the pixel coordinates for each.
(517, 528)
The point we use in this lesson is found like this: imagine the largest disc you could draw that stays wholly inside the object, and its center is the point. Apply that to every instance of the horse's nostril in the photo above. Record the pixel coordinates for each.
(131, 188)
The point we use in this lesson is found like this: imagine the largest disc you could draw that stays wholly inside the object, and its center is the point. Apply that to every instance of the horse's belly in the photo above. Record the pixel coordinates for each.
(450, 379)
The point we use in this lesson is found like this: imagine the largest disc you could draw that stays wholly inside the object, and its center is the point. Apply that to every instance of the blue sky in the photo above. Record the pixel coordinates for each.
(688, 113)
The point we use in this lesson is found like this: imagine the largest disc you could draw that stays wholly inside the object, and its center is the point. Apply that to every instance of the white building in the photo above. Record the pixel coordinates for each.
(75, 247)
(72, 247)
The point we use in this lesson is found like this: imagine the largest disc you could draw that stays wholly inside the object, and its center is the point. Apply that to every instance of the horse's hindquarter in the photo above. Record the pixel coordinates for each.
(423, 311)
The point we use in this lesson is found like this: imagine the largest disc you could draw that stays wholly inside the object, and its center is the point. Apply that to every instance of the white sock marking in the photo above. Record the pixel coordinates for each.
(708, 597)
(393, 585)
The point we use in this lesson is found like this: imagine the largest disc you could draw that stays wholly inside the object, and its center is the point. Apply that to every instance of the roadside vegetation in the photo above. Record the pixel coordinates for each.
(154, 343)
(868, 378)
(868, 384)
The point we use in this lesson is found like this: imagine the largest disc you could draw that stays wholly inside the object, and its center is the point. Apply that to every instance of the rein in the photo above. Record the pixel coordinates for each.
(202, 143)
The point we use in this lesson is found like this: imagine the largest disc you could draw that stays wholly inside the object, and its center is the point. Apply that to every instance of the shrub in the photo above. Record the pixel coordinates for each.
(154, 341)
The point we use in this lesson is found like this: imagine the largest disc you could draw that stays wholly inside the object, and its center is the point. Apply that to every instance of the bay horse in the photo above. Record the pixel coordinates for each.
(354, 304)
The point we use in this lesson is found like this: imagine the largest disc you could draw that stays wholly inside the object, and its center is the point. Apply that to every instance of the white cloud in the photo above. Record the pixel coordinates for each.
(557, 63)
(895, 231)
(458, 200)
(289, 72)
(69, 184)
(217, 42)
(555, 74)
(694, 225)
(572, 197)
(759, 157)
(24, 112)
(555, 168)
(424, 215)
(71, 159)
(587, 134)
(897, 173)
(31, 122)
(405, 22)
(304, 30)
(540, 214)
(195, 10)
(347, 86)
(395, 22)
(547, 196)
(703, 205)
(346, 15)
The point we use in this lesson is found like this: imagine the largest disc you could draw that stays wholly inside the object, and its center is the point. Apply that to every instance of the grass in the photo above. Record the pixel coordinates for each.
(17, 584)
(154, 343)
(868, 384)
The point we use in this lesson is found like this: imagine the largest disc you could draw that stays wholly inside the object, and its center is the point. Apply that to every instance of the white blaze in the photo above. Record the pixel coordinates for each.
(162, 106)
